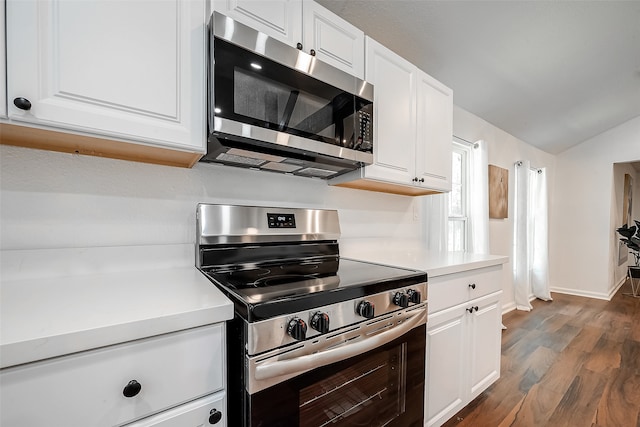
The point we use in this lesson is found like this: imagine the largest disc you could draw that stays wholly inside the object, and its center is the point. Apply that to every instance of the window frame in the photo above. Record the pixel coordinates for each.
(465, 151)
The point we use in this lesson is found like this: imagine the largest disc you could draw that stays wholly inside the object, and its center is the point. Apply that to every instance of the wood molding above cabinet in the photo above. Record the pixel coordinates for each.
(73, 143)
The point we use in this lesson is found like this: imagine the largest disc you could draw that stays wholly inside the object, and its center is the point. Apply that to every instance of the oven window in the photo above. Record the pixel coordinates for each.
(368, 393)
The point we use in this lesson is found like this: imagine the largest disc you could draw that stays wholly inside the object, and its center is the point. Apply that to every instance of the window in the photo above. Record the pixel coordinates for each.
(459, 199)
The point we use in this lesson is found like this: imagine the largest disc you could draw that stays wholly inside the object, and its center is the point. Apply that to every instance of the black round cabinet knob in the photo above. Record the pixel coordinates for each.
(297, 329)
(312, 52)
(22, 103)
(472, 286)
(215, 416)
(132, 389)
(299, 46)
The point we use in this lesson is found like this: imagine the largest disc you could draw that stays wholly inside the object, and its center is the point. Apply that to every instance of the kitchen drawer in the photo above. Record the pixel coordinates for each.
(453, 289)
(87, 389)
(210, 410)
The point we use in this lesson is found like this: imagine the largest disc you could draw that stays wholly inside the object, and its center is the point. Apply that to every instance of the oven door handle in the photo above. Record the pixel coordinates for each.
(311, 361)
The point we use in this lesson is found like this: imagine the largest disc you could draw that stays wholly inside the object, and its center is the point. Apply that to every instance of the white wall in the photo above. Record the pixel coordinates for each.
(583, 244)
(503, 151)
(57, 200)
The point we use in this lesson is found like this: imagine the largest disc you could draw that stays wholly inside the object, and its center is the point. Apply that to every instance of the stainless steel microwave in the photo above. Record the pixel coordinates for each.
(274, 107)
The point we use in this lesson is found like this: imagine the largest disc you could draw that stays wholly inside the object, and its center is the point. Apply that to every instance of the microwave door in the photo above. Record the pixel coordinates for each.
(288, 109)
(330, 118)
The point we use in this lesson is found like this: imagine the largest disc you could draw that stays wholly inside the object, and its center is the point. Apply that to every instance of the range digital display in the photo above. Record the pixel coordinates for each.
(277, 220)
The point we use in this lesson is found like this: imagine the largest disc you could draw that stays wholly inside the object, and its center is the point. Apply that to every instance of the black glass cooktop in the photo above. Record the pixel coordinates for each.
(268, 290)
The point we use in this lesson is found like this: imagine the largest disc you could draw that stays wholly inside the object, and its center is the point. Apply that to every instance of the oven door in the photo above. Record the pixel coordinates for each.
(381, 387)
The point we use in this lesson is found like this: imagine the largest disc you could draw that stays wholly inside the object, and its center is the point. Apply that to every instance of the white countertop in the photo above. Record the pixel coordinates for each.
(50, 308)
(59, 301)
(411, 254)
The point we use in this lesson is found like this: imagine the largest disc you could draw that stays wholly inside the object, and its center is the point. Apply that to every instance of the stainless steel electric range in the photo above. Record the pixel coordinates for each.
(317, 339)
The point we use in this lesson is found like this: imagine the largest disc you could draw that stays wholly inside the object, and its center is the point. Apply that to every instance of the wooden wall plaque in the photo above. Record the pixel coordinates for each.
(498, 192)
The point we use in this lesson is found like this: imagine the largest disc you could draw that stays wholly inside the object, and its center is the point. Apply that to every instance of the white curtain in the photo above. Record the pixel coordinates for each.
(479, 199)
(540, 236)
(530, 247)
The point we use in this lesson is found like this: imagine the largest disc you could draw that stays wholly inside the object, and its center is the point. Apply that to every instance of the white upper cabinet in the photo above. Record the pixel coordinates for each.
(434, 133)
(129, 70)
(3, 76)
(303, 24)
(394, 114)
(280, 19)
(413, 126)
(334, 40)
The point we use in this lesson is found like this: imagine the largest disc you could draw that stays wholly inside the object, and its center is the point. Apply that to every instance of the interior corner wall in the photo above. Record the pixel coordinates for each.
(503, 151)
(582, 249)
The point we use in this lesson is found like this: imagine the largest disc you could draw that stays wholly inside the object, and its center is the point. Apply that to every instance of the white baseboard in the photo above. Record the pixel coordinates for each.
(581, 293)
(508, 307)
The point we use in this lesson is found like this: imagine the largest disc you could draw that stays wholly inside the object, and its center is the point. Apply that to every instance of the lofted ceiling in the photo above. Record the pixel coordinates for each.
(551, 73)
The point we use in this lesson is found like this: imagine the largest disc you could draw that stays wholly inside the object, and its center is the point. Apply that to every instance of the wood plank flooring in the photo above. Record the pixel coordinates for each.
(570, 362)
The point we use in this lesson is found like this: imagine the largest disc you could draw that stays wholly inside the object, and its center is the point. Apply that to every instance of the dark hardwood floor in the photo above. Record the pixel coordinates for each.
(570, 362)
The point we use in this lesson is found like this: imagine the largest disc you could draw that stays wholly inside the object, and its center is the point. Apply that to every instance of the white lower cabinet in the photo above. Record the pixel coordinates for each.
(463, 342)
(123, 383)
(209, 410)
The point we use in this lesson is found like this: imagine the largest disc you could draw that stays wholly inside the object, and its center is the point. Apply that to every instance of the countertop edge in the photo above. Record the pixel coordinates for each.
(38, 349)
(472, 265)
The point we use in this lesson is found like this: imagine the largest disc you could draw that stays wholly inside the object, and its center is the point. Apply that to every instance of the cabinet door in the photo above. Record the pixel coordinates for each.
(3, 75)
(434, 133)
(132, 70)
(484, 337)
(334, 40)
(394, 113)
(446, 361)
(280, 19)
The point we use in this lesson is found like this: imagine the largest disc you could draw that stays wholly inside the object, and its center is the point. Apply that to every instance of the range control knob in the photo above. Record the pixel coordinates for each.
(297, 329)
(401, 299)
(366, 309)
(414, 296)
(320, 322)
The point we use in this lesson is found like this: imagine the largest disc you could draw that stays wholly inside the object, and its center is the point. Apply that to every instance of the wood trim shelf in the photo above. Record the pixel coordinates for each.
(74, 143)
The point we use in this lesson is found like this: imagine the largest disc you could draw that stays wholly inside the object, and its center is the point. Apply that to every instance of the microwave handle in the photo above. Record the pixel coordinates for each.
(303, 363)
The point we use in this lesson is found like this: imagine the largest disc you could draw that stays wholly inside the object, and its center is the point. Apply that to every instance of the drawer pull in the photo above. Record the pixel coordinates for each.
(215, 416)
(472, 286)
(22, 103)
(470, 310)
(132, 389)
